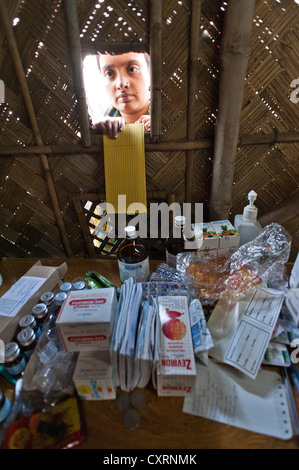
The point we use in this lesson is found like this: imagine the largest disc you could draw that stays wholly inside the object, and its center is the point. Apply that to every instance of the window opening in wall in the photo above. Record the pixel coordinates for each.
(118, 85)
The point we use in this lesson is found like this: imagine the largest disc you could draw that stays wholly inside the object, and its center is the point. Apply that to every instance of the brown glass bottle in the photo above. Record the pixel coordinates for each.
(177, 240)
(133, 259)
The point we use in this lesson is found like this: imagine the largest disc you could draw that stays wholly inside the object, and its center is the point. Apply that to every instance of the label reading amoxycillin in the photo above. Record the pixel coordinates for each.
(138, 271)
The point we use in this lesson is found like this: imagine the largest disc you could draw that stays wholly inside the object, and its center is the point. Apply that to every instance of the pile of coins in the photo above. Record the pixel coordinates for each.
(129, 403)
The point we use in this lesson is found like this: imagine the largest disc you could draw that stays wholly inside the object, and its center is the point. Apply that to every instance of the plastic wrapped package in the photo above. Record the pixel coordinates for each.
(261, 260)
(214, 279)
(266, 254)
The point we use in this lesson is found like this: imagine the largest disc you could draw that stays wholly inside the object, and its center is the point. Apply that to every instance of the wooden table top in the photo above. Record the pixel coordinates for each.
(163, 425)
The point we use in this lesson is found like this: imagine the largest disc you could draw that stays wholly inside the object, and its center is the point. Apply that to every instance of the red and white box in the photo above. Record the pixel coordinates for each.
(86, 319)
(176, 371)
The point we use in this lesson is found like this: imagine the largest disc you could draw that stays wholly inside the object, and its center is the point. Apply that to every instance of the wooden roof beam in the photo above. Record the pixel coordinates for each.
(155, 48)
(235, 52)
(76, 55)
(192, 90)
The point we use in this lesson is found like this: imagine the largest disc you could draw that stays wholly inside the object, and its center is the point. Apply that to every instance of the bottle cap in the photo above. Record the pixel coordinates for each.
(180, 221)
(60, 298)
(47, 297)
(131, 231)
(66, 287)
(26, 321)
(40, 310)
(79, 285)
(26, 336)
(12, 350)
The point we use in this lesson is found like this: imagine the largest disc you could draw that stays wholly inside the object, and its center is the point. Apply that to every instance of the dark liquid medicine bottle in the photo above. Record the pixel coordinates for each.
(133, 259)
(178, 239)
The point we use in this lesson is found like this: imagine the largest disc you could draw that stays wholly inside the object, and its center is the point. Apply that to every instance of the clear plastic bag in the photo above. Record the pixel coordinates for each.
(261, 260)
(266, 254)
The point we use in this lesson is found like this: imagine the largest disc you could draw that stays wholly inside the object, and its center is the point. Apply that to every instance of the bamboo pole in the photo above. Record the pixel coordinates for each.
(76, 54)
(30, 110)
(192, 89)
(235, 53)
(156, 67)
(165, 146)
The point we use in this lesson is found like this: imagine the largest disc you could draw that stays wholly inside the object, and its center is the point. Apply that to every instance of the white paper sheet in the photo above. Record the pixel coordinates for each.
(224, 395)
(241, 331)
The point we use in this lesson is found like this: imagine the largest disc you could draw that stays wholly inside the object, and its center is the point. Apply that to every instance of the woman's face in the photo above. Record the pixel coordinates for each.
(127, 82)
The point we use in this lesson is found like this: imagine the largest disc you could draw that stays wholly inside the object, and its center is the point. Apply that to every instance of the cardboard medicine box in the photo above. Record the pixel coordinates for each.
(206, 237)
(176, 372)
(93, 376)
(227, 234)
(19, 300)
(86, 319)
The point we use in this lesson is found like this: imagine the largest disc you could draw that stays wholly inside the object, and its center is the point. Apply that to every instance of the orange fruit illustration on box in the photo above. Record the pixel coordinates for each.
(174, 328)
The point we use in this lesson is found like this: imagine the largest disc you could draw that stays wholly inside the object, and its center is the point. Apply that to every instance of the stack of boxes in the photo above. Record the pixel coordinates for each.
(217, 238)
(85, 325)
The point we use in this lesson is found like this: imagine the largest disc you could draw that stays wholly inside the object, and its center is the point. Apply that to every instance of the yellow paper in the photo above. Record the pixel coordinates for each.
(124, 160)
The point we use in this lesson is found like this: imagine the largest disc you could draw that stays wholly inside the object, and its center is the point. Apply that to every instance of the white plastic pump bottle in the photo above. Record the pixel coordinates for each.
(246, 224)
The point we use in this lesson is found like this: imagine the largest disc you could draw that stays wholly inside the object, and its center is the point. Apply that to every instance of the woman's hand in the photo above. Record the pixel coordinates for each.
(110, 126)
(146, 119)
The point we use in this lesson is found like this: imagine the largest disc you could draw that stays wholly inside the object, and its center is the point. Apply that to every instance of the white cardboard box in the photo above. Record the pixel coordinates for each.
(227, 234)
(206, 236)
(176, 369)
(93, 376)
(86, 320)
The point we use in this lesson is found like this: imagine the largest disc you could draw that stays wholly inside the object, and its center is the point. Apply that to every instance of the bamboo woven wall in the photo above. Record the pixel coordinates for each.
(28, 224)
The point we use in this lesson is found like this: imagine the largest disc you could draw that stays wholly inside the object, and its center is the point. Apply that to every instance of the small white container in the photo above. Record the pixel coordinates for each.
(246, 224)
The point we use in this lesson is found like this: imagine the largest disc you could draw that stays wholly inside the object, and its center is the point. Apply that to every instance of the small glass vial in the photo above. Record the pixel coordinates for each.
(29, 321)
(47, 298)
(133, 259)
(40, 313)
(60, 298)
(176, 242)
(27, 341)
(79, 285)
(66, 287)
(5, 406)
(15, 361)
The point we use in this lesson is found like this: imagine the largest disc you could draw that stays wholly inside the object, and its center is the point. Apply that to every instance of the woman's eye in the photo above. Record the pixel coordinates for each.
(108, 73)
(133, 68)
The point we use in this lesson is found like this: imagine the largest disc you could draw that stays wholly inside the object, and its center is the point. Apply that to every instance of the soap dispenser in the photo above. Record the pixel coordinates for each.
(246, 224)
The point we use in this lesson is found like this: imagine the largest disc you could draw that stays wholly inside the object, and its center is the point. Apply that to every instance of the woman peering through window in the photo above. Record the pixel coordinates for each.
(126, 79)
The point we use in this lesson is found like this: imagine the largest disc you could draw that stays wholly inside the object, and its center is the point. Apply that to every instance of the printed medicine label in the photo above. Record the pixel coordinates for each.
(14, 299)
(254, 331)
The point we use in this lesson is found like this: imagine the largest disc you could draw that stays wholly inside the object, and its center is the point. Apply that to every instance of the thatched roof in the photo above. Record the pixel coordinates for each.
(51, 164)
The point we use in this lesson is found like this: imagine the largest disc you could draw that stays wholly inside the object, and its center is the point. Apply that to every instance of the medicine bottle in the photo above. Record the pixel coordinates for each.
(15, 361)
(40, 313)
(27, 341)
(132, 255)
(177, 241)
(29, 321)
(5, 406)
(66, 287)
(47, 298)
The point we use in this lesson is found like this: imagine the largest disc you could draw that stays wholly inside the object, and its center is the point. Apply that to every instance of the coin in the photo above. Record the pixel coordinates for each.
(131, 419)
(123, 402)
(137, 399)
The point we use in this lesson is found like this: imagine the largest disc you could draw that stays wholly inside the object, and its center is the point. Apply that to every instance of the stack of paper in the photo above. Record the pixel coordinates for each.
(134, 340)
